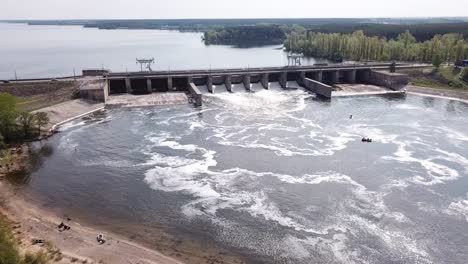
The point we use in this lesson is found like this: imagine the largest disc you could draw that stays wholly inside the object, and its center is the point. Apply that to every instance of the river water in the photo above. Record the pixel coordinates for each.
(276, 176)
(54, 51)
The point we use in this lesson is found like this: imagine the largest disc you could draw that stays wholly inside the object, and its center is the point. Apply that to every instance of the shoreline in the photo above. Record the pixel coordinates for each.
(455, 95)
(79, 244)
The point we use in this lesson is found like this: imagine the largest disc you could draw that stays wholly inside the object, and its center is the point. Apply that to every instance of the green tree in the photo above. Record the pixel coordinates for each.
(437, 61)
(464, 74)
(2, 142)
(459, 52)
(8, 116)
(26, 121)
(41, 119)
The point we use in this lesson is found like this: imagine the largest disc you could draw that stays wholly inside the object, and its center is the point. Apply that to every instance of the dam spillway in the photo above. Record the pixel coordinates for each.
(317, 79)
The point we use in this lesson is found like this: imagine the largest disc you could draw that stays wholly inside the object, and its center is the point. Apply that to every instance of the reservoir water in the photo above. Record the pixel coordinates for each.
(54, 51)
(274, 176)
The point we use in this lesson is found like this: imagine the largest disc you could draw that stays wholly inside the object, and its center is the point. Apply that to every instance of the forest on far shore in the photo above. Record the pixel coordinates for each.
(272, 33)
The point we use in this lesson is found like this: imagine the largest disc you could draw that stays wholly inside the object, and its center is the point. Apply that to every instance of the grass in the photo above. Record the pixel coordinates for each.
(443, 78)
(37, 102)
(8, 251)
(8, 248)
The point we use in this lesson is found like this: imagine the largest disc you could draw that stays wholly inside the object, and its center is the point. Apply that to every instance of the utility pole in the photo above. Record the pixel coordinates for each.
(16, 77)
(74, 74)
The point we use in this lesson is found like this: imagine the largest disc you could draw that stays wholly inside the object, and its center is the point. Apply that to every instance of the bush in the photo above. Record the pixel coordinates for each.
(39, 258)
(464, 74)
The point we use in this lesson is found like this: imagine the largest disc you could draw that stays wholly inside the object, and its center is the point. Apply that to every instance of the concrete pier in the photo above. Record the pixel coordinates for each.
(169, 84)
(283, 80)
(209, 83)
(319, 76)
(196, 94)
(351, 76)
(265, 80)
(228, 83)
(335, 77)
(128, 85)
(318, 88)
(302, 76)
(149, 86)
(246, 81)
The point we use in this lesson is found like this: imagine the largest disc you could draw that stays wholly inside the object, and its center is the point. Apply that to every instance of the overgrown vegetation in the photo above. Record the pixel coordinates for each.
(18, 126)
(444, 77)
(8, 249)
(357, 46)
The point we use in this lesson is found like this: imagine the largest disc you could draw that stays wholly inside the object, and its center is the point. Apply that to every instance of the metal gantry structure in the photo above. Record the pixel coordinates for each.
(145, 63)
(295, 59)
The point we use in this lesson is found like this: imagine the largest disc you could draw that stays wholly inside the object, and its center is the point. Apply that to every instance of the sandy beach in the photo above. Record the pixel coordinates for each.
(78, 244)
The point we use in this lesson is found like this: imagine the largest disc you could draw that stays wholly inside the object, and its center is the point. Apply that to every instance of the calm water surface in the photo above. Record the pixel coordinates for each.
(45, 51)
(276, 175)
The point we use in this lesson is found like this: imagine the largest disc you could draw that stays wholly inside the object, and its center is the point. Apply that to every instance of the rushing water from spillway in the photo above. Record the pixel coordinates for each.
(277, 175)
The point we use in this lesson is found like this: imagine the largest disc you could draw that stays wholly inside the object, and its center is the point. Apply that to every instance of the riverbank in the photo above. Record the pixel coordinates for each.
(451, 94)
(67, 111)
(33, 220)
(77, 244)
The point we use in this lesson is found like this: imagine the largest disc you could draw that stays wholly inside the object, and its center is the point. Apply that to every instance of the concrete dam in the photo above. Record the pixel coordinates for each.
(317, 79)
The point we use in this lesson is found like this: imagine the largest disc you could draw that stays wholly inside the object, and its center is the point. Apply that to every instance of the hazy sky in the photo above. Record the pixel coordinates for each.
(75, 9)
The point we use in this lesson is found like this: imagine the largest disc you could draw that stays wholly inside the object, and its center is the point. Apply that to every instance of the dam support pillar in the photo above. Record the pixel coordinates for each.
(209, 83)
(246, 80)
(149, 87)
(319, 76)
(302, 76)
(265, 80)
(283, 79)
(351, 76)
(335, 77)
(128, 85)
(228, 83)
(170, 87)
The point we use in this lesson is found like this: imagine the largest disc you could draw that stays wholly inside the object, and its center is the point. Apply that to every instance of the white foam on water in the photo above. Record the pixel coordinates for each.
(459, 208)
(362, 211)
(395, 240)
(334, 249)
(70, 125)
(293, 85)
(435, 173)
(256, 87)
(409, 107)
(220, 88)
(275, 86)
(238, 88)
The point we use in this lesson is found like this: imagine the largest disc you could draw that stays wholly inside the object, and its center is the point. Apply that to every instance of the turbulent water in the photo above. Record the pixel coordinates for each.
(278, 176)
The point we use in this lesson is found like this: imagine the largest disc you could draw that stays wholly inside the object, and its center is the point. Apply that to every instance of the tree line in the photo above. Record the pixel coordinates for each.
(260, 34)
(421, 31)
(360, 47)
(18, 126)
